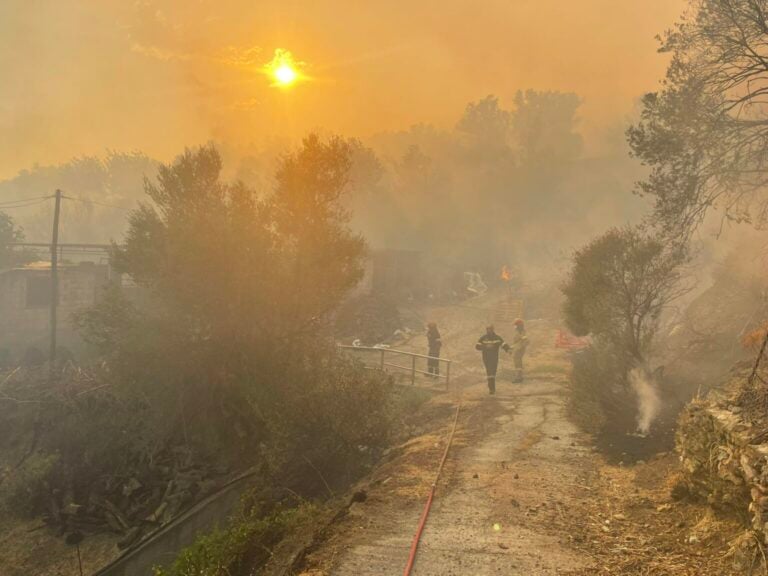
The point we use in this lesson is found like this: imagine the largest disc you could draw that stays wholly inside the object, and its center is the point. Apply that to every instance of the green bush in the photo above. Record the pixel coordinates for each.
(240, 548)
(327, 420)
(598, 390)
(405, 400)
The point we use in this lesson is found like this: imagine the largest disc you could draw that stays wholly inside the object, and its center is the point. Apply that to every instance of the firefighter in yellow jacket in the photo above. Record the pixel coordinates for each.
(519, 344)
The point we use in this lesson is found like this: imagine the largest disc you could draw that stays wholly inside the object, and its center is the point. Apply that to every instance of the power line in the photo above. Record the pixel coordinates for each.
(86, 201)
(22, 200)
(25, 202)
(26, 205)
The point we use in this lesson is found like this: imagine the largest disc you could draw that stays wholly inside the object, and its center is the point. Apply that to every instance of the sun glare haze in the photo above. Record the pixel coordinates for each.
(283, 69)
(383, 288)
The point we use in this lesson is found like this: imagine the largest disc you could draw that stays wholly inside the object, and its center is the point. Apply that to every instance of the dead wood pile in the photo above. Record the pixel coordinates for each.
(70, 454)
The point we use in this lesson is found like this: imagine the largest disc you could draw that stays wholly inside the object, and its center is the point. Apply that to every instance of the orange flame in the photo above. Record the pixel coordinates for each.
(506, 275)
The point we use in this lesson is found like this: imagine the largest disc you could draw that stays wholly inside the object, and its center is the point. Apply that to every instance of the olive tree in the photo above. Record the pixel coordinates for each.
(704, 135)
(618, 287)
(229, 336)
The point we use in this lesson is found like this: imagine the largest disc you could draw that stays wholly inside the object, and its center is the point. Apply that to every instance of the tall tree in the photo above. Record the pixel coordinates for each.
(705, 133)
(232, 261)
(543, 127)
(237, 285)
(488, 124)
(311, 220)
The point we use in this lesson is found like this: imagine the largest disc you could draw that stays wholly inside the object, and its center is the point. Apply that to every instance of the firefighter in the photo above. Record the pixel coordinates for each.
(519, 344)
(435, 343)
(489, 344)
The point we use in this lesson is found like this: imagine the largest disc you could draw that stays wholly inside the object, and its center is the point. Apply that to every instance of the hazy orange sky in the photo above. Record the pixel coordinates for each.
(82, 76)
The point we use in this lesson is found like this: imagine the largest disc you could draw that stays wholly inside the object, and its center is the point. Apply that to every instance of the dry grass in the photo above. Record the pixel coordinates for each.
(634, 528)
(29, 547)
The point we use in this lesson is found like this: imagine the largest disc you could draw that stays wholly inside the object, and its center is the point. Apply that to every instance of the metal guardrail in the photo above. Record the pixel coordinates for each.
(382, 363)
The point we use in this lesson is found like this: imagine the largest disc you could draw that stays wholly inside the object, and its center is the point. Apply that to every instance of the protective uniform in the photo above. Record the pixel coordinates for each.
(435, 343)
(519, 344)
(489, 344)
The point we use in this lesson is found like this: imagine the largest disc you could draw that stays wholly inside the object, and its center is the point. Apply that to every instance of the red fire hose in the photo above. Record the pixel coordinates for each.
(428, 505)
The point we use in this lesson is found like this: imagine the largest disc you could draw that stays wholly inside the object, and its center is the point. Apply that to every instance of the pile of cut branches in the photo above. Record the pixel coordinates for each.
(84, 459)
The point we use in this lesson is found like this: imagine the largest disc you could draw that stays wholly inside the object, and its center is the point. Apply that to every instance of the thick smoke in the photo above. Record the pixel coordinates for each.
(77, 74)
(510, 184)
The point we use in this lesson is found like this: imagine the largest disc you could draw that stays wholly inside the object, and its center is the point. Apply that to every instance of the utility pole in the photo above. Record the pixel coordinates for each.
(54, 277)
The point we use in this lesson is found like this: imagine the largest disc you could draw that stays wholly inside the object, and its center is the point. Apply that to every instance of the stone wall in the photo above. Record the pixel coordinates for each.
(724, 459)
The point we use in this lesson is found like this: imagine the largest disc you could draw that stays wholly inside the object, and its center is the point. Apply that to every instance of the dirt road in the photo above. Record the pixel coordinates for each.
(516, 462)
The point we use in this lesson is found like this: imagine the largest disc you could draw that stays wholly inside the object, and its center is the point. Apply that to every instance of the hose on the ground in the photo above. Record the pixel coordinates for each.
(428, 505)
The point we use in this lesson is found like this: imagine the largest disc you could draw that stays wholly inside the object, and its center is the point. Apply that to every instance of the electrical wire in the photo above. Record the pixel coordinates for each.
(24, 200)
(25, 205)
(94, 202)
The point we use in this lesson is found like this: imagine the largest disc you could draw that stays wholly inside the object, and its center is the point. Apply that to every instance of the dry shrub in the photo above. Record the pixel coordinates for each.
(754, 339)
(599, 395)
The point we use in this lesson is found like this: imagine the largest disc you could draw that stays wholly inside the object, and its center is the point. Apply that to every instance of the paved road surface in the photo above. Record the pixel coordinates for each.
(503, 480)
(516, 457)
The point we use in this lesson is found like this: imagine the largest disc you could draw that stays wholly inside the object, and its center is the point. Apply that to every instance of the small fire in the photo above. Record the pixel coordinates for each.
(506, 275)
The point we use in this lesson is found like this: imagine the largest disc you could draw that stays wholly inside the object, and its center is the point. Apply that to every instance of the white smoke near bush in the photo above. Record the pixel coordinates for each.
(648, 401)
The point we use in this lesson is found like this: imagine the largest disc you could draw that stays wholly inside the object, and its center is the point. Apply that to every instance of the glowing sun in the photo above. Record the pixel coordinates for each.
(285, 75)
(283, 69)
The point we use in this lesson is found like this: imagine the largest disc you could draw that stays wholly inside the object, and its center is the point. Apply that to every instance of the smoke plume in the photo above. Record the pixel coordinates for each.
(648, 401)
